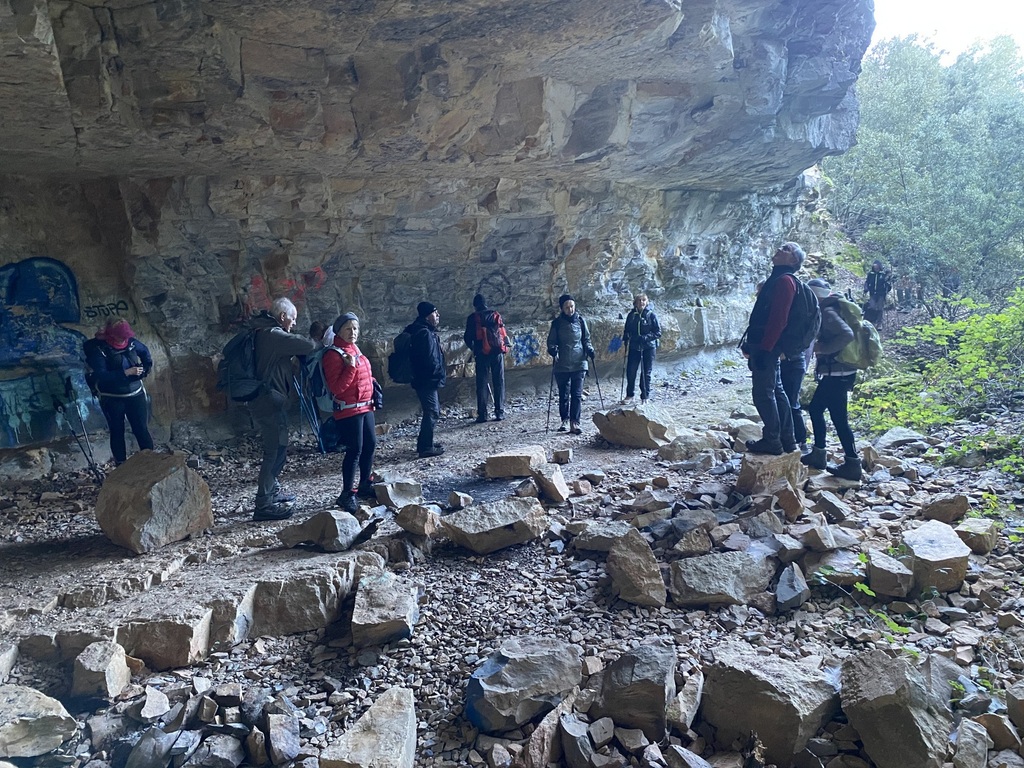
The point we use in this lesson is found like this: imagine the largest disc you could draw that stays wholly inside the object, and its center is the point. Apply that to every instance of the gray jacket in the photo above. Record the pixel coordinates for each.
(569, 343)
(832, 339)
(275, 349)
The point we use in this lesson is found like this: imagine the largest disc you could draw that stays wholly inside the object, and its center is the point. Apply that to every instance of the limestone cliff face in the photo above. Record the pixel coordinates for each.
(186, 161)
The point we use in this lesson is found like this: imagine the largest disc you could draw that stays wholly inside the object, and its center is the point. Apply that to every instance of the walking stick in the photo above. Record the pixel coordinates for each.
(551, 390)
(309, 412)
(622, 379)
(86, 447)
(597, 378)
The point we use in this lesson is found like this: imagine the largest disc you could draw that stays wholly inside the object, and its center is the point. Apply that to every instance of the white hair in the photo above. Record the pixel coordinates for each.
(283, 306)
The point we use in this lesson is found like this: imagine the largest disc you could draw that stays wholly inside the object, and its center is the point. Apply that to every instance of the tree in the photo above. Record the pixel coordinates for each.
(935, 184)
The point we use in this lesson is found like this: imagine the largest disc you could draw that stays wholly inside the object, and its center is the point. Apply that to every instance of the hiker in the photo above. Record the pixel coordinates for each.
(835, 380)
(350, 380)
(877, 286)
(428, 374)
(641, 333)
(275, 347)
(485, 336)
(323, 335)
(771, 332)
(118, 362)
(569, 346)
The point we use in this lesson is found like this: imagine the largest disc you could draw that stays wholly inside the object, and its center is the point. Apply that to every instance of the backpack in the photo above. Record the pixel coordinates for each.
(400, 361)
(236, 372)
(316, 381)
(108, 353)
(490, 332)
(803, 323)
(866, 348)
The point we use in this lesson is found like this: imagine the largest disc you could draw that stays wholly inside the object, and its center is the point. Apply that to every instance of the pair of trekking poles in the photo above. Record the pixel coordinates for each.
(61, 409)
(308, 408)
(551, 391)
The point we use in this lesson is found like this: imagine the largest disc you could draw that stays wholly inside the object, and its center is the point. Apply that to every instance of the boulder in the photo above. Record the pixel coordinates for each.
(979, 534)
(972, 745)
(420, 519)
(525, 678)
(680, 757)
(787, 498)
(759, 472)
(896, 437)
(695, 542)
(151, 500)
(544, 745)
(302, 598)
(386, 609)
(652, 501)
(459, 500)
(835, 509)
(637, 689)
(599, 535)
(686, 444)
(168, 641)
(645, 426)
(561, 455)
(528, 489)
(887, 701)
(762, 526)
(516, 462)
(784, 702)
(100, 670)
(331, 531)
(946, 507)
(8, 658)
(486, 528)
(888, 576)
(32, 723)
(219, 750)
(397, 493)
(940, 558)
(552, 483)
(636, 576)
(384, 737)
(792, 590)
(1015, 704)
(577, 748)
(1002, 732)
(733, 578)
(682, 710)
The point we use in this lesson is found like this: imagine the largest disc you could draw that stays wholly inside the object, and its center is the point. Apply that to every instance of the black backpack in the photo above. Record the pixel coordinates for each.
(400, 361)
(803, 323)
(109, 353)
(236, 372)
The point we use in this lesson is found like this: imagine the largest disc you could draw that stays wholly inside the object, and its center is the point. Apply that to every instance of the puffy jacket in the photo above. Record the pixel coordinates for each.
(832, 339)
(108, 365)
(770, 314)
(641, 329)
(275, 348)
(569, 343)
(351, 385)
(428, 365)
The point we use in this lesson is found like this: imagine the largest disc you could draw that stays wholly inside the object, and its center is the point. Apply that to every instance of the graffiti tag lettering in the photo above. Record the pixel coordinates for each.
(110, 309)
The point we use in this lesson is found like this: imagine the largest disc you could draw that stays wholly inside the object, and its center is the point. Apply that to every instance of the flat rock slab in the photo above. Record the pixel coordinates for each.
(979, 534)
(599, 535)
(645, 426)
(486, 528)
(635, 573)
(688, 443)
(552, 483)
(732, 578)
(637, 688)
(516, 462)
(384, 737)
(397, 493)
(386, 609)
(423, 519)
(151, 500)
(330, 531)
(760, 472)
(32, 723)
(940, 557)
(100, 670)
(896, 437)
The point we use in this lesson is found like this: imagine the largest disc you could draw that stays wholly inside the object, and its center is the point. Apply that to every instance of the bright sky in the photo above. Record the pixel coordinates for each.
(951, 24)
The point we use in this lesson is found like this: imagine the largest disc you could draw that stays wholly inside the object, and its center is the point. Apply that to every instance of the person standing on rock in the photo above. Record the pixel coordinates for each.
(349, 378)
(835, 381)
(275, 347)
(769, 329)
(428, 374)
(641, 334)
(485, 336)
(569, 346)
(118, 362)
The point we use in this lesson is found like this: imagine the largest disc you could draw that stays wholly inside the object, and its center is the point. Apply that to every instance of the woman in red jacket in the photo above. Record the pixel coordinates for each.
(350, 380)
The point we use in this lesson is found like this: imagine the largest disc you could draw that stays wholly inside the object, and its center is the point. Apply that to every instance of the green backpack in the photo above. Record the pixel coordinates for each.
(866, 348)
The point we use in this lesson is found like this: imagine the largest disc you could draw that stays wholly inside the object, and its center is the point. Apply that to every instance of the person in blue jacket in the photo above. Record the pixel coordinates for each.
(570, 348)
(428, 374)
(641, 334)
(118, 362)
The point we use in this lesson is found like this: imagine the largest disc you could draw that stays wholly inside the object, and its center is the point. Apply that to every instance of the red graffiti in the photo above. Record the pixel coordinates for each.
(259, 296)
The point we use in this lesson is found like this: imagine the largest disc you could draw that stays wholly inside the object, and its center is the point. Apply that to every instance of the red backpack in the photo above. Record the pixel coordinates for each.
(490, 332)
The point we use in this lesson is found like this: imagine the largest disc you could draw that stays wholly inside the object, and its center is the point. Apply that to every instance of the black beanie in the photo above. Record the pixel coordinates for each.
(479, 302)
(564, 298)
(424, 308)
(342, 319)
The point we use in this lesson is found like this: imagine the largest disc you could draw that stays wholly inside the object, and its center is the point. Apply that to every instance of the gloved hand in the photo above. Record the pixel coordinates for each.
(553, 353)
(590, 352)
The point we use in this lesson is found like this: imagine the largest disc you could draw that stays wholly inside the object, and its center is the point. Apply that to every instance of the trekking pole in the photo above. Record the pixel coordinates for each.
(85, 448)
(597, 378)
(551, 390)
(306, 407)
(622, 380)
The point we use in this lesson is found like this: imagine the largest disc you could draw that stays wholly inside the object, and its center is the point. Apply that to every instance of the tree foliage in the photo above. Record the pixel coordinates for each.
(935, 184)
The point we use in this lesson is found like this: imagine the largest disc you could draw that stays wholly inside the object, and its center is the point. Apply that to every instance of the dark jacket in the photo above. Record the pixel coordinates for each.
(469, 336)
(428, 365)
(770, 314)
(569, 343)
(832, 339)
(107, 366)
(877, 284)
(275, 348)
(641, 329)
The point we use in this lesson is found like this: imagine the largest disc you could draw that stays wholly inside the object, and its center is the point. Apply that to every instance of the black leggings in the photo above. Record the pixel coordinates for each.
(136, 410)
(831, 395)
(359, 436)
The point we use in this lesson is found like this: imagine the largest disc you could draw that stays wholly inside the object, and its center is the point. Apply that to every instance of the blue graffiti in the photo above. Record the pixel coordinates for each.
(615, 345)
(525, 347)
(37, 354)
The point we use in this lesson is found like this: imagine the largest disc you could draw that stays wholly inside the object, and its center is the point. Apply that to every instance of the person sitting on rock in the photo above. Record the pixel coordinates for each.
(641, 333)
(350, 380)
(569, 346)
(835, 381)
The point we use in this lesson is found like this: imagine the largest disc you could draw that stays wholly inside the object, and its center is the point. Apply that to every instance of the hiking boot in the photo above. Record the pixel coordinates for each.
(482, 418)
(347, 501)
(814, 458)
(627, 400)
(644, 400)
(769, 447)
(283, 497)
(565, 426)
(850, 469)
(272, 512)
(789, 447)
(436, 450)
(500, 417)
(574, 429)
